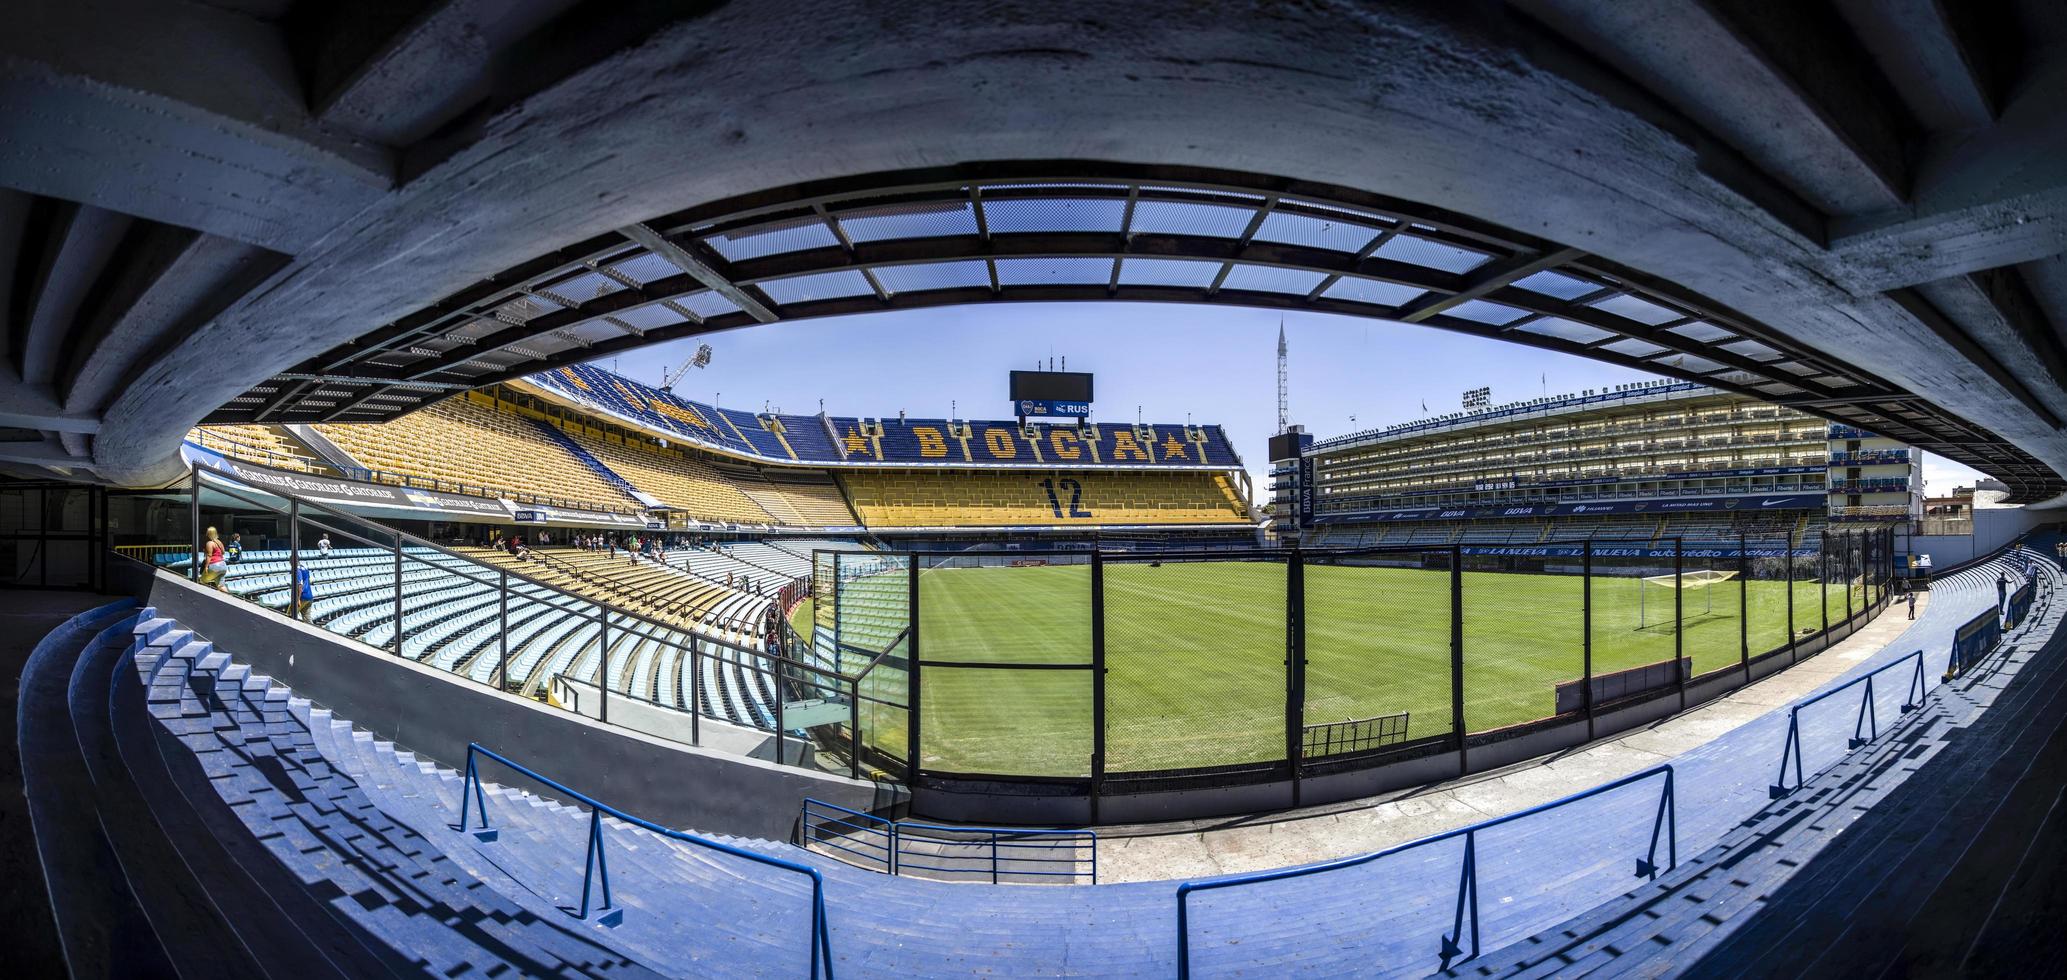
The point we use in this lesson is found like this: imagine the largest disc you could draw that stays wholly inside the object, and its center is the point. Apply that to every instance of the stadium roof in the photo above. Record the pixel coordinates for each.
(1059, 231)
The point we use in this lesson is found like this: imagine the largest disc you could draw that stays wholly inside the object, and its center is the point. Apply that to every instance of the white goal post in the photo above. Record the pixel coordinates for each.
(1701, 582)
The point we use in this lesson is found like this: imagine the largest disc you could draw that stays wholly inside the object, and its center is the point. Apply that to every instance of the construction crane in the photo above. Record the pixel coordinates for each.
(701, 358)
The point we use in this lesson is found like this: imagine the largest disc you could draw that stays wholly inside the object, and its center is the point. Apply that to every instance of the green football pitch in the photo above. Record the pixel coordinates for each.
(1195, 654)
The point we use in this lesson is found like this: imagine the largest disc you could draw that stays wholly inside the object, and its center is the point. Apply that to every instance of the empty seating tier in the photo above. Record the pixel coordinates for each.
(679, 480)
(1042, 498)
(452, 618)
(471, 447)
(265, 445)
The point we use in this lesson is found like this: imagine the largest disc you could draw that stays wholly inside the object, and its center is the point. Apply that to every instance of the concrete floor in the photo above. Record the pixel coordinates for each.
(1200, 848)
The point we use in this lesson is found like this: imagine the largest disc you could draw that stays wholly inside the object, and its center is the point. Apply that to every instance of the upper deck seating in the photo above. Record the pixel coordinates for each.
(478, 449)
(677, 479)
(265, 445)
(1006, 499)
(916, 441)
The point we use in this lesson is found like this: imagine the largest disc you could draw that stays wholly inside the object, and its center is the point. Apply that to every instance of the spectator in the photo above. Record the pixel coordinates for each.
(1912, 604)
(323, 545)
(304, 592)
(236, 549)
(214, 562)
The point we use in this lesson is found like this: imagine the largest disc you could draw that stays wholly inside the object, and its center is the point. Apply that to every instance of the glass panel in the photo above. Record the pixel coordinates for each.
(860, 623)
(150, 527)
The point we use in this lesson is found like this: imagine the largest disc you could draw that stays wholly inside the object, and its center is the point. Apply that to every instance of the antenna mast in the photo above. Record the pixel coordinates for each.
(1284, 415)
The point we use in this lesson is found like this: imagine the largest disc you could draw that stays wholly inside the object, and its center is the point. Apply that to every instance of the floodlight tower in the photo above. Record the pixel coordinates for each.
(1284, 415)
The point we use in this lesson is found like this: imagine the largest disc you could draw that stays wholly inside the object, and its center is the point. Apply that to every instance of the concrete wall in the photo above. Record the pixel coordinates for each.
(1993, 528)
(436, 714)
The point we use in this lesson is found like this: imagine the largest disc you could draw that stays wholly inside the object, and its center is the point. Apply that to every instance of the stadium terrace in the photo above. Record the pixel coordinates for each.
(363, 624)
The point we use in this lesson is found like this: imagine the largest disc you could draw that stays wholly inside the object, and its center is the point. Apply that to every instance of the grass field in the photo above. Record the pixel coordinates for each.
(1195, 654)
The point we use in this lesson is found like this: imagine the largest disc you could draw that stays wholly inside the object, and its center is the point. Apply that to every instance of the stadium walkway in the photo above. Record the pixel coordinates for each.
(1933, 851)
(1198, 848)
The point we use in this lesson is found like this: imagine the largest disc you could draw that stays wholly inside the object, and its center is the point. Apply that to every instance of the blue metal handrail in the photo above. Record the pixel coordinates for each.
(997, 840)
(1666, 822)
(597, 869)
(1865, 729)
(865, 827)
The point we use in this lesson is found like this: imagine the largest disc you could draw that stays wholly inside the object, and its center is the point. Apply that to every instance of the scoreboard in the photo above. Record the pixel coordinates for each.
(1051, 394)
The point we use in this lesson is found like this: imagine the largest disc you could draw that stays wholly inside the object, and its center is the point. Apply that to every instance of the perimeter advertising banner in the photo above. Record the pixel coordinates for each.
(332, 490)
(1305, 491)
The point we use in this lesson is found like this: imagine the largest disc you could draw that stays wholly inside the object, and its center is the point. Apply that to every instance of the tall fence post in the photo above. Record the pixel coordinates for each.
(502, 639)
(914, 713)
(194, 519)
(1679, 619)
(1586, 629)
(1457, 655)
(603, 675)
(696, 691)
(854, 728)
(1097, 679)
(1850, 565)
(294, 557)
(1744, 604)
(1793, 651)
(398, 593)
(1295, 663)
(1823, 585)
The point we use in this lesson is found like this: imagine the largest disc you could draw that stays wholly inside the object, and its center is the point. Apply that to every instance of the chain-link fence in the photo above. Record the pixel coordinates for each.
(1006, 654)
(1195, 655)
(1377, 632)
(1635, 603)
(1530, 608)
(1771, 595)
(1235, 665)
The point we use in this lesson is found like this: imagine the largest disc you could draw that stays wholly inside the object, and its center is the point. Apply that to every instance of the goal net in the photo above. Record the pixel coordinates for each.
(1656, 592)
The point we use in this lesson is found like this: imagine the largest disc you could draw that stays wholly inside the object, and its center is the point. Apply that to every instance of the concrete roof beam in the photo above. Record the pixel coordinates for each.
(1797, 99)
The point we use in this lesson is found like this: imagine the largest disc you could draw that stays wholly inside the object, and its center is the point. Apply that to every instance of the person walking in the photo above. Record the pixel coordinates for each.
(1912, 603)
(214, 562)
(304, 593)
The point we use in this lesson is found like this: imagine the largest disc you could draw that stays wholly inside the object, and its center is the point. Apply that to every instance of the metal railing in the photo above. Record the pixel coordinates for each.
(2018, 608)
(1972, 640)
(777, 676)
(596, 867)
(1002, 854)
(1865, 729)
(1665, 823)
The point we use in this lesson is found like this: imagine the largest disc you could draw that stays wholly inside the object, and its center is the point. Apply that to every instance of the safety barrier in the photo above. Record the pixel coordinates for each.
(596, 870)
(961, 853)
(1665, 823)
(2018, 608)
(1864, 730)
(1972, 641)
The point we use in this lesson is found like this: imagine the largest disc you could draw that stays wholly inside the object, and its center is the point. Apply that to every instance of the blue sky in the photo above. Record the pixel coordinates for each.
(1216, 364)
